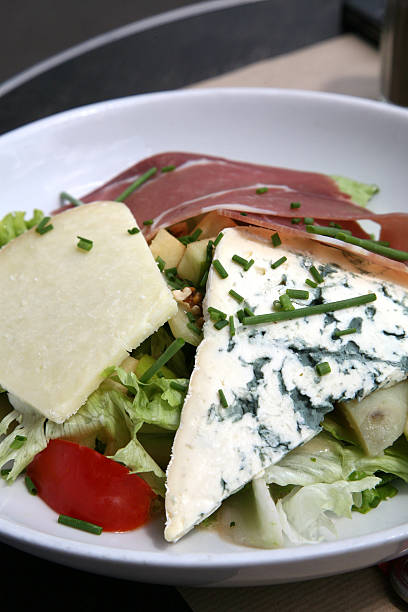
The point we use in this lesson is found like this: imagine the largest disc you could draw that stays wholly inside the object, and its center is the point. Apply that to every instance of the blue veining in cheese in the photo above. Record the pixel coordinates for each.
(276, 400)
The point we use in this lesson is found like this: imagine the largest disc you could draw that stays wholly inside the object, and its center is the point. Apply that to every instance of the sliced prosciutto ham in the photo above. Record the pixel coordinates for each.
(257, 194)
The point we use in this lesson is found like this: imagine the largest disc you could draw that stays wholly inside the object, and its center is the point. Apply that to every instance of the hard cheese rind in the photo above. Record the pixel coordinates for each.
(66, 313)
(276, 400)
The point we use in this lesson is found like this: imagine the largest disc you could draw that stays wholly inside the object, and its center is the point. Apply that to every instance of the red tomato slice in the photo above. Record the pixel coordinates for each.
(80, 482)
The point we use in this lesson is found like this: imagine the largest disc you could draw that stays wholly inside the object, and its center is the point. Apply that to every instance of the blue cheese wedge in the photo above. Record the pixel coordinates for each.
(276, 400)
(68, 313)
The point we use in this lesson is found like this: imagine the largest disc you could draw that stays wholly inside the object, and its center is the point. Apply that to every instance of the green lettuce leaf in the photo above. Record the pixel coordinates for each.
(155, 402)
(360, 193)
(14, 224)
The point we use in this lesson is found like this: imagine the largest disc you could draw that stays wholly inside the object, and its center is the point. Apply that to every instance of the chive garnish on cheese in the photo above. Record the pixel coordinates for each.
(237, 297)
(298, 294)
(323, 368)
(286, 303)
(223, 399)
(221, 271)
(344, 332)
(84, 243)
(273, 317)
(278, 262)
(42, 227)
(316, 274)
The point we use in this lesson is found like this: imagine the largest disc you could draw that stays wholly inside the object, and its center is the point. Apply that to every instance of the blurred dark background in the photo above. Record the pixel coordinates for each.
(33, 30)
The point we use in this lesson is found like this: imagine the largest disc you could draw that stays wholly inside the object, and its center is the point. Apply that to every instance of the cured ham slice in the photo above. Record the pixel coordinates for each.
(188, 184)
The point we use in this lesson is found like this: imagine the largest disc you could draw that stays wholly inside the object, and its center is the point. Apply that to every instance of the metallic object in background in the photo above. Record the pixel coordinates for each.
(394, 53)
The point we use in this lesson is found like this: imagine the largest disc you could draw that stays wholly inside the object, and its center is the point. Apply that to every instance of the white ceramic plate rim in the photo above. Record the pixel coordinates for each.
(22, 536)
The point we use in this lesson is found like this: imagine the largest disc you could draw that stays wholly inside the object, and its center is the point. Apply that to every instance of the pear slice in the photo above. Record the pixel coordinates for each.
(378, 419)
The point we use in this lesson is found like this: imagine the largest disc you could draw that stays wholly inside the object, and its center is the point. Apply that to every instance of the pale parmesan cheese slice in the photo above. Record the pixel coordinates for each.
(67, 313)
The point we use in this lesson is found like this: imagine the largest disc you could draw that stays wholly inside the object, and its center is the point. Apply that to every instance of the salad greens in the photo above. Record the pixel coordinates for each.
(14, 224)
(360, 193)
(134, 423)
(113, 417)
(290, 502)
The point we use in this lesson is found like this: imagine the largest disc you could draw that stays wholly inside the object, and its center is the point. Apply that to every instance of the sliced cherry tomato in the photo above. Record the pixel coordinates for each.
(80, 482)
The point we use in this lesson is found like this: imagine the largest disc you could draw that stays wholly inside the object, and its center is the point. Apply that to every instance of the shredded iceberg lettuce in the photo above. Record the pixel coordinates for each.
(294, 501)
(112, 415)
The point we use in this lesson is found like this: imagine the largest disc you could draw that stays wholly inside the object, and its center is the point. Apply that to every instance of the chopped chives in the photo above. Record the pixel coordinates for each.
(220, 323)
(190, 317)
(178, 386)
(231, 325)
(218, 238)
(316, 274)
(383, 242)
(299, 294)
(142, 179)
(133, 230)
(308, 220)
(261, 190)
(295, 204)
(194, 328)
(276, 241)
(236, 296)
(374, 247)
(273, 317)
(278, 262)
(30, 485)
(344, 332)
(277, 305)
(42, 227)
(334, 224)
(84, 243)
(161, 264)
(323, 230)
(192, 237)
(170, 351)
(70, 521)
(248, 311)
(18, 442)
(148, 222)
(311, 283)
(240, 260)
(45, 229)
(295, 220)
(209, 251)
(196, 234)
(285, 302)
(221, 271)
(203, 279)
(240, 315)
(216, 314)
(323, 368)
(249, 264)
(64, 195)
(223, 399)
(168, 168)
(244, 214)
